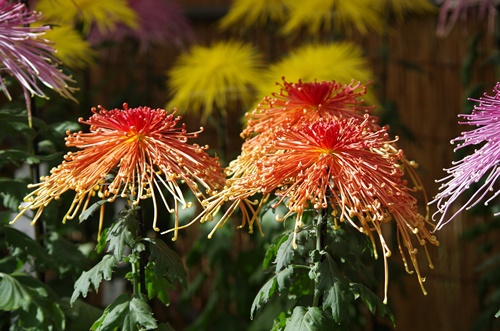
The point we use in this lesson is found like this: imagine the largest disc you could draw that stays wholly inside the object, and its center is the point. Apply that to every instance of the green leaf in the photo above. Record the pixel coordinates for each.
(497, 315)
(333, 288)
(22, 246)
(276, 282)
(122, 234)
(102, 270)
(372, 301)
(80, 315)
(13, 295)
(126, 314)
(285, 253)
(33, 304)
(272, 250)
(12, 192)
(61, 128)
(90, 210)
(166, 261)
(69, 259)
(157, 286)
(305, 319)
(19, 156)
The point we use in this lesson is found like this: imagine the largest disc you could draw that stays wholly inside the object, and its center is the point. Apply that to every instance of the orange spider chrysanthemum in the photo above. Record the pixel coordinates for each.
(132, 153)
(307, 102)
(349, 168)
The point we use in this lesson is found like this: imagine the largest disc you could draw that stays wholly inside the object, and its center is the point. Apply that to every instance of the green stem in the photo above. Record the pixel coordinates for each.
(143, 255)
(320, 227)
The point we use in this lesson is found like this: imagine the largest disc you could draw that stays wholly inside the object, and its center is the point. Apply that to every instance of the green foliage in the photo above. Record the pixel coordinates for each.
(277, 282)
(80, 315)
(69, 260)
(24, 248)
(323, 282)
(166, 262)
(93, 277)
(126, 313)
(306, 319)
(12, 192)
(488, 284)
(33, 305)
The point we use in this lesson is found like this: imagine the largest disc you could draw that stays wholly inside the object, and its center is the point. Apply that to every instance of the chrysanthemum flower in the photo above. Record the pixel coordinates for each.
(342, 62)
(452, 10)
(105, 14)
(212, 77)
(159, 22)
(71, 49)
(306, 102)
(133, 153)
(341, 165)
(320, 15)
(482, 164)
(252, 13)
(26, 55)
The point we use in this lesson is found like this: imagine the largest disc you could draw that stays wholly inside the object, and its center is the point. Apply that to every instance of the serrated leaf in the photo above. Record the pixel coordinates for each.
(90, 210)
(285, 253)
(333, 288)
(166, 261)
(372, 301)
(157, 286)
(12, 192)
(272, 250)
(126, 314)
(102, 270)
(305, 319)
(276, 282)
(121, 234)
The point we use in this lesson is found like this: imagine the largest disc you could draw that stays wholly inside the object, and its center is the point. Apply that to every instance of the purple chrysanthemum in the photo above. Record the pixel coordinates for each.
(25, 55)
(160, 22)
(483, 164)
(451, 10)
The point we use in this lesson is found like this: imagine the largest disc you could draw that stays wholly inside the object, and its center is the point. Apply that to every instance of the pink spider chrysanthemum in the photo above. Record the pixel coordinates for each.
(134, 153)
(159, 22)
(26, 55)
(452, 10)
(482, 164)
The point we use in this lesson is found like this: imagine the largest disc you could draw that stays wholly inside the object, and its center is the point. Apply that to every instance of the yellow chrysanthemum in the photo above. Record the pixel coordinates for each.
(250, 13)
(73, 51)
(341, 62)
(210, 77)
(319, 15)
(400, 7)
(105, 14)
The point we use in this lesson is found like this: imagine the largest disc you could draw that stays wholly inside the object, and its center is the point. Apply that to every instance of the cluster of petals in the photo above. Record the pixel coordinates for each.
(479, 169)
(316, 147)
(134, 153)
(452, 10)
(158, 22)
(27, 55)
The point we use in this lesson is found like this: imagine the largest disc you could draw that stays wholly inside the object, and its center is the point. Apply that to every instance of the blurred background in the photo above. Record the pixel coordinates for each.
(421, 79)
